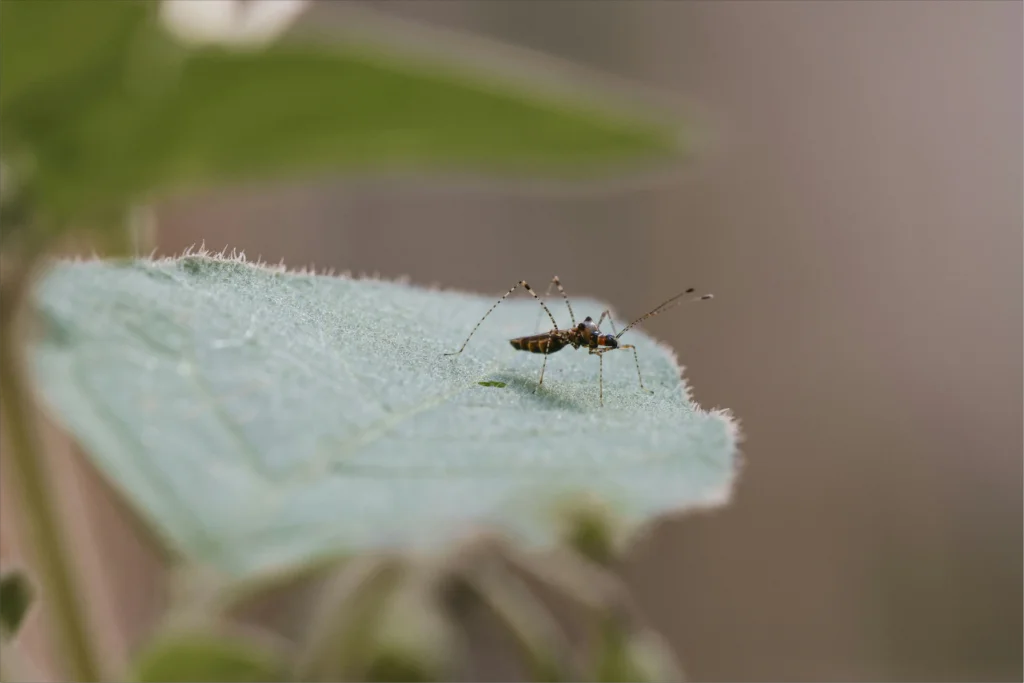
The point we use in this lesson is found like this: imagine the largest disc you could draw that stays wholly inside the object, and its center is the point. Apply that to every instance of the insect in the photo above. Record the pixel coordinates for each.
(586, 334)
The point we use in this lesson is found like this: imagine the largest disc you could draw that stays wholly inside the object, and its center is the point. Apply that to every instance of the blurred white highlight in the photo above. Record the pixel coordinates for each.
(231, 22)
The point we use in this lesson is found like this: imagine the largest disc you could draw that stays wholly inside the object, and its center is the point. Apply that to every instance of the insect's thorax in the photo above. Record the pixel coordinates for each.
(589, 335)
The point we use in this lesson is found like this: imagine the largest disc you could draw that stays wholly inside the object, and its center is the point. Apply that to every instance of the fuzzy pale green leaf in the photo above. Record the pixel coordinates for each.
(259, 418)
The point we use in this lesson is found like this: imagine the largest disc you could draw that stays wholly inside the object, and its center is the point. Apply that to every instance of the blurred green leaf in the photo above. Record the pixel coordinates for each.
(589, 528)
(625, 656)
(81, 82)
(259, 418)
(293, 108)
(201, 656)
(16, 596)
(101, 107)
(51, 51)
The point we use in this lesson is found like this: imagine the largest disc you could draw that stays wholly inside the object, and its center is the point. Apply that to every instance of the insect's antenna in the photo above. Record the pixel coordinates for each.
(674, 301)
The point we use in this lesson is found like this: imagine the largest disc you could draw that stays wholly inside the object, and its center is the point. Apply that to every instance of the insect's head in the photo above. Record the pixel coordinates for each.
(587, 330)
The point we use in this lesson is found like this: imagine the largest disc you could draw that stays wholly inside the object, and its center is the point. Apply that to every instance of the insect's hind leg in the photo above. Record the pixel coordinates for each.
(521, 283)
(556, 282)
(543, 366)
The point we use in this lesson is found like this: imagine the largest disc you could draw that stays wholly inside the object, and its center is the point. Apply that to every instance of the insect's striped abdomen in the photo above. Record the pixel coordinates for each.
(538, 343)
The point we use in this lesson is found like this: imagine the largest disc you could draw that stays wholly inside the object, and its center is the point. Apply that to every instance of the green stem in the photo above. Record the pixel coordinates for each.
(44, 537)
(525, 618)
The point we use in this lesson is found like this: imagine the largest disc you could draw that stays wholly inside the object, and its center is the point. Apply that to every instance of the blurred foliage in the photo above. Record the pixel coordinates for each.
(16, 596)
(101, 107)
(17, 593)
(408, 616)
(198, 654)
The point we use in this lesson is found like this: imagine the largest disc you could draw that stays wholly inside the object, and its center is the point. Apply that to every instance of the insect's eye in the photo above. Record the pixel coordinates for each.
(581, 327)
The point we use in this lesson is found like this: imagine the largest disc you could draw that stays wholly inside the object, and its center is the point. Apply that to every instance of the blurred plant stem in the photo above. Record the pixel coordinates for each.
(45, 539)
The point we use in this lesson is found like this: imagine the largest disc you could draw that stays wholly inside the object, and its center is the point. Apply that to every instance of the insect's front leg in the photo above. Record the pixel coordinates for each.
(636, 359)
(600, 373)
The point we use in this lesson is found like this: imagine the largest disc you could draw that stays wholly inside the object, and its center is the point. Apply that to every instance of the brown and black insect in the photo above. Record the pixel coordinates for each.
(587, 334)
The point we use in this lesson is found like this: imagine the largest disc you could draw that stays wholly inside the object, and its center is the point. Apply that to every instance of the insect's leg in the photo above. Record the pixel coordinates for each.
(555, 282)
(542, 367)
(565, 297)
(636, 359)
(517, 285)
(600, 374)
(536, 325)
(607, 314)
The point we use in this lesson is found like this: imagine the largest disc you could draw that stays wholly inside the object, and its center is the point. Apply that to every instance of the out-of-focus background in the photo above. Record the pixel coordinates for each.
(856, 209)
(855, 204)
